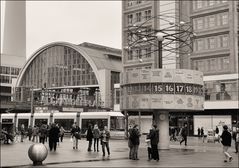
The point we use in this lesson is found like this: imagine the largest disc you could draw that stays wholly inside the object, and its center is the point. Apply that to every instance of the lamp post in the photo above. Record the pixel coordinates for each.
(160, 39)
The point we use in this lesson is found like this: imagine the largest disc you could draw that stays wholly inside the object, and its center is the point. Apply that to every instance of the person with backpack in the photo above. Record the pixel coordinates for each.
(75, 133)
(226, 142)
(105, 136)
(42, 133)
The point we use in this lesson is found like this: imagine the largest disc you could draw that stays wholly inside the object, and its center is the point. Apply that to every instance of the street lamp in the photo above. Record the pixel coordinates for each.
(160, 39)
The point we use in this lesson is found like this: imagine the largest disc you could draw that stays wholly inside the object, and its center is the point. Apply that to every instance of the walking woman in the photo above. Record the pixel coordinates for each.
(105, 136)
(135, 142)
(154, 138)
(226, 142)
(96, 135)
(89, 137)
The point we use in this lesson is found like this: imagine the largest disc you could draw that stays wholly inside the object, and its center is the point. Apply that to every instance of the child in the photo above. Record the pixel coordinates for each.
(148, 144)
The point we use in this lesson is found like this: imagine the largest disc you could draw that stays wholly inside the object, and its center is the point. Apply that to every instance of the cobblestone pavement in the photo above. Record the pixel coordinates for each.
(196, 154)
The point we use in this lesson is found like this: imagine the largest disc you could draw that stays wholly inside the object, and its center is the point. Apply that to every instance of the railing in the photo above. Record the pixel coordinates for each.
(222, 96)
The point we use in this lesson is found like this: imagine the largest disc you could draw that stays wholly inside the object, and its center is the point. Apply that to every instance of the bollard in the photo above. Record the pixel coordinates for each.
(37, 153)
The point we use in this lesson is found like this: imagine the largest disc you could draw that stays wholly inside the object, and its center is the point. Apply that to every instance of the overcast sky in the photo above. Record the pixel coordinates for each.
(73, 21)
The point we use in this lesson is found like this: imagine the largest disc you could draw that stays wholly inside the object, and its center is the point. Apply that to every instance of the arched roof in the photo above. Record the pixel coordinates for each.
(97, 56)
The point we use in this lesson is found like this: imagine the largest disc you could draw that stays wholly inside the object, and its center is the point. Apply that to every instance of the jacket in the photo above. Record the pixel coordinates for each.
(96, 133)
(226, 138)
(89, 135)
(134, 136)
(154, 136)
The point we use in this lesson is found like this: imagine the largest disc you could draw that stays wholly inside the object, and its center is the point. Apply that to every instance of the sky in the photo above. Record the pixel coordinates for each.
(76, 22)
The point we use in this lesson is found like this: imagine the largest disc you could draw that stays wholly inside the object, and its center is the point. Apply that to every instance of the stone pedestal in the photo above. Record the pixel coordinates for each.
(161, 118)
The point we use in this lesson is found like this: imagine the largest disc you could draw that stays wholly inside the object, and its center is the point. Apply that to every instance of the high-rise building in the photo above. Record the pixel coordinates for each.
(13, 53)
(215, 53)
(144, 13)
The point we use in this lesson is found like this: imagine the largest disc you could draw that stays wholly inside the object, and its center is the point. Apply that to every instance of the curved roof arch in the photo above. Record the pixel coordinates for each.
(66, 44)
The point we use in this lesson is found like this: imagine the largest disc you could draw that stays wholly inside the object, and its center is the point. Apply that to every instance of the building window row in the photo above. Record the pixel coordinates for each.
(201, 4)
(212, 64)
(9, 70)
(134, 2)
(210, 21)
(139, 53)
(5, 79)
(210, 43)
(139, 16)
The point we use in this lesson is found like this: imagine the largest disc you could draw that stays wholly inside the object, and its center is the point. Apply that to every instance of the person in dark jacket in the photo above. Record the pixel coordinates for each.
(43, 133)
(53, 136)
(29, 133)
(184, 134)
(235, 137)
(202, 134)
(199, 132)
(89, 137)
(130, 145)
(135, 142)
(217, 130)
(154, 138)
(226, 142)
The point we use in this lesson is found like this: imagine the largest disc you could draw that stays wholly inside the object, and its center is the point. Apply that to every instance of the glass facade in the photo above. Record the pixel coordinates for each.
(58, 66)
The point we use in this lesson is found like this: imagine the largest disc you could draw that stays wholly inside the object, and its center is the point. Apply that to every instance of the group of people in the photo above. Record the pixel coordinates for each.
(92, 134)
(152, 140)
(52, 133)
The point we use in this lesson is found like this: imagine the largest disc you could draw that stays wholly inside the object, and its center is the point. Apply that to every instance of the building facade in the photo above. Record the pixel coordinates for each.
(215, 53)
(61, 75)
(13, 51)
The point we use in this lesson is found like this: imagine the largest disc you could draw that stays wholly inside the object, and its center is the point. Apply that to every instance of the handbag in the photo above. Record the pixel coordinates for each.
(77, 135)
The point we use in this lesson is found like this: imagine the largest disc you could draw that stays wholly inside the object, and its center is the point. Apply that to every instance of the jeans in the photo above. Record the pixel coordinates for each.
(52, 145)
(184, 139)
(75, 142)
(225, 149)
(105, 144)
(89, 146)
(135, 151)
(237, 146)
(96, 143)
(155, 152)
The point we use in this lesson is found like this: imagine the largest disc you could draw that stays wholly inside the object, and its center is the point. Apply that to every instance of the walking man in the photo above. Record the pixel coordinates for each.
(105, 136)
(154, 138)
(226, 142)
(184, 134)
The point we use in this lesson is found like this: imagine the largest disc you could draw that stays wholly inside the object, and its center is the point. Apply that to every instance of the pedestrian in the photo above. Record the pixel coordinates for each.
(135, 142)
(149, 149)
(22, 131)
(130, 145)
(35, 132)
(96, 136)
(154, 138)
(29, 133)
(105, 136)
(226, 142)
(89, 137)
(202, 134)
(53, 136)
(42, 133)
(217, 130)
(235, 137)
(75, 133)
(199, 132)
(184, 134)
(62, 132)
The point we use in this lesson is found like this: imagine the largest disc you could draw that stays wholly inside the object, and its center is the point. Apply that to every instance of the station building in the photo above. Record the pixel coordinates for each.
(61, 76)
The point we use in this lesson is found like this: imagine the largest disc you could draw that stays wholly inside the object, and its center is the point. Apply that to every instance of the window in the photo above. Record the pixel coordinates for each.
(224, 18)
(138, 2)
(225, 63)
(148, 52)
(147, 14)
(130, 18)
(212, 44)
(130, 2)
(138, 17)
(199, 45)
(224, 41)
(200, 23)
(199, 4)
(211, 2)
(138, 53)
(212, 21)
(130, 55)
(213, 64)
